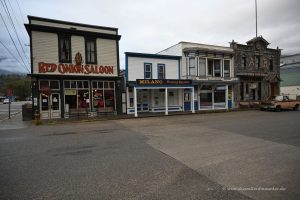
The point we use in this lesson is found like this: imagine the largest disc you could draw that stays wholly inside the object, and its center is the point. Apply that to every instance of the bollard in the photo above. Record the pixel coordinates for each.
(37, 118)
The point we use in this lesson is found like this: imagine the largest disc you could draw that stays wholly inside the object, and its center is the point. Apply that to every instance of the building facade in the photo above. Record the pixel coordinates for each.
(257, 68)
(154, 84)
(211, 70)
(74, 68)
(290, 75)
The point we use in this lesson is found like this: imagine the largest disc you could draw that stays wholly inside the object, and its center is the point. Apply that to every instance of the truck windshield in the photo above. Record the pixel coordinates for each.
(277, 98)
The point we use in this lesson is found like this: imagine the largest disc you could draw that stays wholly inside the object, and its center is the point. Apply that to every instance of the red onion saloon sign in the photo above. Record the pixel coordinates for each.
(73, 69)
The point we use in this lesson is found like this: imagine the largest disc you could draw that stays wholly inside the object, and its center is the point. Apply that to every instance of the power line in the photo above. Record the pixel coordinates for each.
(14, 28)
(21, 12)
(13, 42)
(18, 23)
(7, 49)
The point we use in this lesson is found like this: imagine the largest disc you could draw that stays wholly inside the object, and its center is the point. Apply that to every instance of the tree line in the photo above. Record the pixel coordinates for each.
(18, 83)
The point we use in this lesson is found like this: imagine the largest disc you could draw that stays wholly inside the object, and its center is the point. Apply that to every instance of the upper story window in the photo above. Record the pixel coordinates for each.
(64, 46)
(90, 51)
(214, 67)
(210, 67)
(147, 71)
(257, 62)
(161, 71)
(202, 66)
(192, 67)
(217, 68)
(244, 63)
(226, 68)
(271, 64)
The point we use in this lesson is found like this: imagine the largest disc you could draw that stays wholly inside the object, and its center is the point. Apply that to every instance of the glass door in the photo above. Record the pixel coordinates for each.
(44, 106)
(55, 105)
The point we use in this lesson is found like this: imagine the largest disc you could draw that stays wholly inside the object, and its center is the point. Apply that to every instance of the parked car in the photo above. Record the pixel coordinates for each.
(6, 101)
(278, 103)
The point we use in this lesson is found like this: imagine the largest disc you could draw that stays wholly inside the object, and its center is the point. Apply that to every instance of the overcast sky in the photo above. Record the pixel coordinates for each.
(152, 25)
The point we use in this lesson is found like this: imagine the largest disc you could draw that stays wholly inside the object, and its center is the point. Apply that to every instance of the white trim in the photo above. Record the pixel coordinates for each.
(166, 101)
(135, 102)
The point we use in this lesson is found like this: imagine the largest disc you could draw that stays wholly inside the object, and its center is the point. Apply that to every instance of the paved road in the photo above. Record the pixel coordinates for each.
(197, 156)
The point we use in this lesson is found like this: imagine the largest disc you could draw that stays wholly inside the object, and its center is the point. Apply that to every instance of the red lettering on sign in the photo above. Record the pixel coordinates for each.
(70, 68)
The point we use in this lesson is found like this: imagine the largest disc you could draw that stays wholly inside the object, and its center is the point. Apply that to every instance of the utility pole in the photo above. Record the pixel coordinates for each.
(256, 16)
(9, 109)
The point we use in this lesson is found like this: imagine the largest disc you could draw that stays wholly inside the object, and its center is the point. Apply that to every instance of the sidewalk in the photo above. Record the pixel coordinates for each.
(15, 122)
(105, 117)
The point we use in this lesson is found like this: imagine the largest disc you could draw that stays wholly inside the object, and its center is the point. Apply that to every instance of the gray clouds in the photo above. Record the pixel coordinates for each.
(150, 26)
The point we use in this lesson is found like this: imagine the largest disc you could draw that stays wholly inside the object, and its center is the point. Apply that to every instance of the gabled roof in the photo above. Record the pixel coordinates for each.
(259, 38)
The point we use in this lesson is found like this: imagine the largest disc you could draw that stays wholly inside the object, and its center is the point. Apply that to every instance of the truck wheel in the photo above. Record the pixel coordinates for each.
(296, 108)
(278, 108)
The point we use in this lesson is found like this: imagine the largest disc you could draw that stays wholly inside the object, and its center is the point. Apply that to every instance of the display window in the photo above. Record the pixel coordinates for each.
(76, 96)
(103, 96)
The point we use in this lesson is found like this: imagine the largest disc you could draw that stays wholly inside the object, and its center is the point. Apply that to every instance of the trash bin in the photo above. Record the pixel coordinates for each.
(27, 112)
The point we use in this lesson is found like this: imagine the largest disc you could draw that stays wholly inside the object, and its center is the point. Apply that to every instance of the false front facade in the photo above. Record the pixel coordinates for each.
(211, 70)
(154, 84)
(74, 68)
(258, 68)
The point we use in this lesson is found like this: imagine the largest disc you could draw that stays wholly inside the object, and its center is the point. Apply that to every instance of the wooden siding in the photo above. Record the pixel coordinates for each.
(107, 53)
(136, 67)
(44, 48)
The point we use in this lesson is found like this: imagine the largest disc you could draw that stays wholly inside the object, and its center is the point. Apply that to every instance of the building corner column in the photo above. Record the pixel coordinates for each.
(166, 101)
(226, 97)
(135, 102)
(193, 100)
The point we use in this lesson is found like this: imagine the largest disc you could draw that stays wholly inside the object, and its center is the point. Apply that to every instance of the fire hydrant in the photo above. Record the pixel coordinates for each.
(37, 118)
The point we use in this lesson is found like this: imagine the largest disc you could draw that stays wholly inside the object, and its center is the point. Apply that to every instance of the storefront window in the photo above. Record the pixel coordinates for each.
(219, 97)
(103, 96)
(76, 96)
(73, 84)
(205, 100)
(44, 85)
(54, 85)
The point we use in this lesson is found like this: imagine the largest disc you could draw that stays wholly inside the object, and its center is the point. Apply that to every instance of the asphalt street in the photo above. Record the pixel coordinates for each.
(235, 155)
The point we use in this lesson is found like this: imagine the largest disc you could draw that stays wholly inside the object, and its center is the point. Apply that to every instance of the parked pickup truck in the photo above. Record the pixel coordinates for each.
(279, 103)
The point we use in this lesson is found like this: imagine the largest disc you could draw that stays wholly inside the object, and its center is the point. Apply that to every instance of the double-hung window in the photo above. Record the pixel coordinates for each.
(64, 46)
(257, 62)
(210, 67)
(161, 71)
(271, 64)
(192, 67)
(148, 71)
(90, 51)
(226, 68)
(217, 68)
(244, 63)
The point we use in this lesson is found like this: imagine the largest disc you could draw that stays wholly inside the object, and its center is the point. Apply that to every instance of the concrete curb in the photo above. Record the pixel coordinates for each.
(125, 116)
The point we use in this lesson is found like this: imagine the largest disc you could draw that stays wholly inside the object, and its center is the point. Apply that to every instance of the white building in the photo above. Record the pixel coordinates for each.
(211, 70)
(154, 84)
(74, 68)
(290, 75)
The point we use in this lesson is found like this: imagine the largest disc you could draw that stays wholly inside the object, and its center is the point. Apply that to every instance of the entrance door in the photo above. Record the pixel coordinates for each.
(205, 100)
(50, 106)
(273, 89)
(253, 92)
(55, 106)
